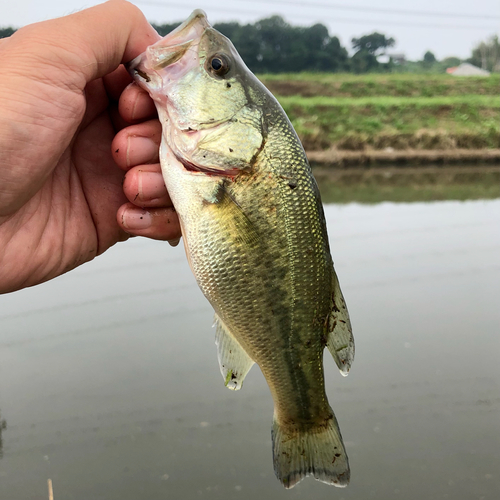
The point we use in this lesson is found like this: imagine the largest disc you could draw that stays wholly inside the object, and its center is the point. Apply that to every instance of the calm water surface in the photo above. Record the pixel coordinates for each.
(110, 386)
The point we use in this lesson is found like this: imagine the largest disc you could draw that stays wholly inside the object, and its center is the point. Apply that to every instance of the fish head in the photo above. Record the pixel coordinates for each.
(208, 101)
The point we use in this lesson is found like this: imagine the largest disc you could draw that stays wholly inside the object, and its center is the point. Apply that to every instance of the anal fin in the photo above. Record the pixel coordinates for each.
(340, 341)
(234, 362)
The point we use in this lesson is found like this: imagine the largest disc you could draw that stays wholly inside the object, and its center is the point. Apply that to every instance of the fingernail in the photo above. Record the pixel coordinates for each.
(174, 243)
(141, 150)
(136, 219)
(140, 103)
(150, 185)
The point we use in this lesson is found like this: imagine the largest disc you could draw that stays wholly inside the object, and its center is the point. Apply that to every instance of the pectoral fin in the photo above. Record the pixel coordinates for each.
(340, 341)
(233, 360)
(231, 219)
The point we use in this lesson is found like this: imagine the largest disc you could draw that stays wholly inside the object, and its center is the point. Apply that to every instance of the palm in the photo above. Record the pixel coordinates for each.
(72, 218)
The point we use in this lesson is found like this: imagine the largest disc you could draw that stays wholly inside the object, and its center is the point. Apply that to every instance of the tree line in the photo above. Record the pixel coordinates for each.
(271, 45)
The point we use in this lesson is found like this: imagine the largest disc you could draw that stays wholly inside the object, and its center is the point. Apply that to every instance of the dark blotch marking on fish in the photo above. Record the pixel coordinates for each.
(117, 150)
(292, 182)
(228, 85)
(230, 150)
(143, 75)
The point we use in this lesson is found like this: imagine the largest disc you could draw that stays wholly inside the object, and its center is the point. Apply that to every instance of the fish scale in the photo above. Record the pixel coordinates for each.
(255, 235)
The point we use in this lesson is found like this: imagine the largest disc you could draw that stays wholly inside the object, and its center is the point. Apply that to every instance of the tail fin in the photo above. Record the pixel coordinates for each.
(317, 452)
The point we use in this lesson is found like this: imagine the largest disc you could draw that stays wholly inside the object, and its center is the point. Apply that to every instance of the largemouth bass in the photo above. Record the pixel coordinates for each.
(255, 236)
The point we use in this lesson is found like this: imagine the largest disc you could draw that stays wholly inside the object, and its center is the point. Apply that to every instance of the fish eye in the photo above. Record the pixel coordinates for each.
(218, 64)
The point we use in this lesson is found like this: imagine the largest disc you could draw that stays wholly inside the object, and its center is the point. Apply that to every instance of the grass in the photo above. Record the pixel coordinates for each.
(369, 85)
(388, 102)
(402, 111)
(446, 122)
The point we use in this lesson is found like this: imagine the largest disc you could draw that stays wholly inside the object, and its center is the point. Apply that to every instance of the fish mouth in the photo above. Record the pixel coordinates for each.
(215, 171)
(169, 49)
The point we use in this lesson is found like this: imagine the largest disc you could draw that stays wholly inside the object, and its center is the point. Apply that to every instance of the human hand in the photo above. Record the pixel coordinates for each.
(60, 190)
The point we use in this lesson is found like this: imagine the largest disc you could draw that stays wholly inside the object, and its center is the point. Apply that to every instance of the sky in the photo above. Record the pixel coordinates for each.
(445, 27)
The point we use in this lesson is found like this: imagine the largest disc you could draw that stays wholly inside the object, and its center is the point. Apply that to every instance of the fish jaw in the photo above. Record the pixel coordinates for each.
(205, 116)
(147, 68)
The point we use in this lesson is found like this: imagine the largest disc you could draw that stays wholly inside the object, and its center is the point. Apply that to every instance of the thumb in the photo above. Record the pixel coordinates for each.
(42, 101)
(94, 41)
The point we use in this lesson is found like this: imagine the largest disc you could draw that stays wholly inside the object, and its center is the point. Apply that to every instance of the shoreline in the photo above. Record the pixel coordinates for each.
(389, 156)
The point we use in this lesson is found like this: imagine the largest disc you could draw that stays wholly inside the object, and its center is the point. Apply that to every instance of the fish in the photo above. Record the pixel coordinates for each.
(255, 237)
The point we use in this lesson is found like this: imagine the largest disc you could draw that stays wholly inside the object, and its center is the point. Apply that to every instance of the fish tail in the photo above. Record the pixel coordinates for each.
(318, 451)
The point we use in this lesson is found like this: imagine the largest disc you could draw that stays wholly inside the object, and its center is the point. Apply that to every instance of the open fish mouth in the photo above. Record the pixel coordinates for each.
(170, 49)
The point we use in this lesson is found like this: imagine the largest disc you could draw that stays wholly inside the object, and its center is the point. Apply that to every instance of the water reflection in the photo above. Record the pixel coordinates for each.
(3, 426)
(110, 378)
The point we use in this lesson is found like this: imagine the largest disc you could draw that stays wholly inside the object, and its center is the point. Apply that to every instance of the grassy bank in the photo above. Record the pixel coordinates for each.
(370, 85)
(400, 111)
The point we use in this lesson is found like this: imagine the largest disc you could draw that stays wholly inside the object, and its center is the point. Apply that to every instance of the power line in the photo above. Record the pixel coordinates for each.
(365, 8)
(336, 20)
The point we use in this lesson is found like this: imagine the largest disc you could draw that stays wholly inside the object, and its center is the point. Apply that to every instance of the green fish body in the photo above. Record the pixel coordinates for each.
(255, 236)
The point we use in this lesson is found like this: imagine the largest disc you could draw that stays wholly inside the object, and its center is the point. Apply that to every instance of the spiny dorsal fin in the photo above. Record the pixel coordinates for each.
(340, 341)
(234, 362)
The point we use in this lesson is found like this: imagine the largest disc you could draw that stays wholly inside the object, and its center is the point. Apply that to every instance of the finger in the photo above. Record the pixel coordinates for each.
(116, 82)
(118, 122)
(135, 104)
(158, 224)
(137, 145)
(144, 186)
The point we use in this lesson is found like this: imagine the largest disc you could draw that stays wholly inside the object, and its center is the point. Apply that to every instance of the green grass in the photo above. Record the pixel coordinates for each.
(369, 85)
(388, 102)
(398, 110)
(439, 122)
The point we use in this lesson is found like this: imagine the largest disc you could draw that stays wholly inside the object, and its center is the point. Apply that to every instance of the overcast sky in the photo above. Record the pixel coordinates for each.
(446, 27)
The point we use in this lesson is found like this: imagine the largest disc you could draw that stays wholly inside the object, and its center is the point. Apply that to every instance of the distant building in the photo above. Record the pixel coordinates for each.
(398, 58)
(467, 69)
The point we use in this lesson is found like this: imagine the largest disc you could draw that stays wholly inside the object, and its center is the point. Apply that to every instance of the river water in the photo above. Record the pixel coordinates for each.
(110, 386)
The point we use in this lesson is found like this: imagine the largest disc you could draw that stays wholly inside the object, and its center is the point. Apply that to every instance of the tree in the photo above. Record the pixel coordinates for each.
(368, 48)
(271, 45)
(375, 44)
(451, 61)
(5, 32)
(486, 55)
(429, 58)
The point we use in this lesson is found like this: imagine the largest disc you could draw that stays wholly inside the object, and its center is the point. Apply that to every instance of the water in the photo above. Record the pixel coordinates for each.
(109, 381)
